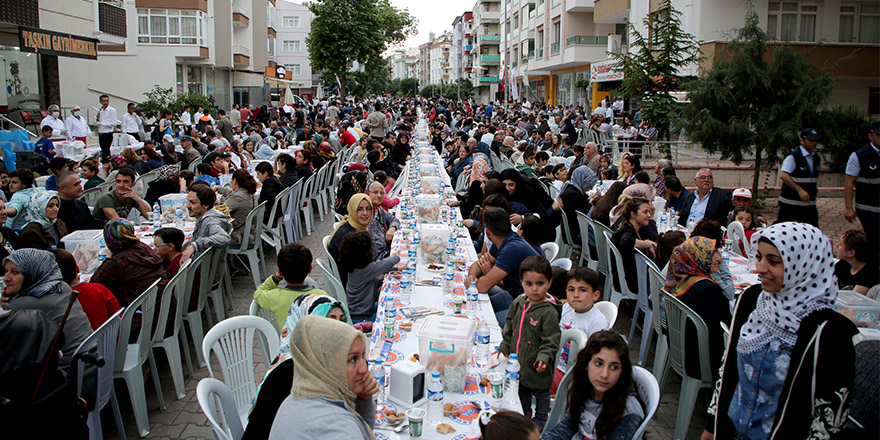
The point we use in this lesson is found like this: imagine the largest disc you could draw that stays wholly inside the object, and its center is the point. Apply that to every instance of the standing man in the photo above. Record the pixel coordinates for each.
(129, 122)
(186, 119)
(59, 131)
(863, 176)
(224, 126)
(799, 173)
(77, 126)
(106, 125)
(235, 116)
(245, 116)
(377, 122)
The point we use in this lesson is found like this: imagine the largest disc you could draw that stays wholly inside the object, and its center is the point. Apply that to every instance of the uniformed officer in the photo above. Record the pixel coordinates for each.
(799, 174)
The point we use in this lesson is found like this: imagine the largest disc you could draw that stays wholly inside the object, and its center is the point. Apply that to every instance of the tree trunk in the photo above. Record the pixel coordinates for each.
(343, 90)
(758, 152)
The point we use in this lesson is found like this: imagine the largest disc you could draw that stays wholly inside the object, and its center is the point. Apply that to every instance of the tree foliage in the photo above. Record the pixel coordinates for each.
(652, 67)
(344, 31)
(409, 87)
(843, 131)
(463, 88)
(159, 99)
(746, 104)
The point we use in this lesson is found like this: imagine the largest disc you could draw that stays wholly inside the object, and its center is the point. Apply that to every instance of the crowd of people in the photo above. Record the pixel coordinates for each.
(508, 211)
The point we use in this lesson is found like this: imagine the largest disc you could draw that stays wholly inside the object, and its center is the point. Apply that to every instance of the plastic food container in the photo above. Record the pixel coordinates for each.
(431, 185)
(445, 346)
(426, 159)
(428, 208)
(170, 203)
(428, 170)
(433, 243)
(863, 311)
(84, 245)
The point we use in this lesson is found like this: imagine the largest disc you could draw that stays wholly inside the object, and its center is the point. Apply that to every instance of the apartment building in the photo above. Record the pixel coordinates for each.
(404, 63)
(439, 60)
(294, 22)
(486, 74)
(462, 46)
(425, 62)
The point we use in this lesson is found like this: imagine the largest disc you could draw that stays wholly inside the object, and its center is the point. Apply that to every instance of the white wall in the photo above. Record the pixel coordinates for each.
(282, 8)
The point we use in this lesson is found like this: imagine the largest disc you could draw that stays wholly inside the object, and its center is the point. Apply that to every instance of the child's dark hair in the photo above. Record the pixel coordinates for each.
(295, 262)
(57, 164)
(748, 210)
(265, 168)
(538, 264)
(381, 177)
(642, 177)
(172, 236)
(666, 243)
(614, 400)
(204, 168)
(530, 226)
(374, 156)
(558, 284)
(585, 274)
(67, 264)
(353, 248)
(508, 425)
(188, 176)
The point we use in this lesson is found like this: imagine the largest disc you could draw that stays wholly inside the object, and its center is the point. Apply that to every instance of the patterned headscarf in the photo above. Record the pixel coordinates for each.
(809, 285)
(479, 167)
(37, 208)
(167, 171)
(119, 234)
(691, 262)
(311, 304)
(40, 270)
(116, 161)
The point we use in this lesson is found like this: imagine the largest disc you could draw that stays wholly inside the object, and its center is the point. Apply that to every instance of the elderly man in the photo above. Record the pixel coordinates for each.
(53, 119)
(799, 172)
(190, 153)
(75, 213)
(591, 157)
(659, 170)
(706, 201)
(77, 126)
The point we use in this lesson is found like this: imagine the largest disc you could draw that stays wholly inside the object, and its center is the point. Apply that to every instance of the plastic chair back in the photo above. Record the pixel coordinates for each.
(256, 310)
(253, 223)
(566, 233)
(144, 305)
(551, 250)
(599, 231)
(232, 340)
(104, 338)
(646, 386)
(557, 410)
(199, 266)
(563, 263)
(737, 235)
(587, 256)
(609, 310)
(333, 267)
(658, 321)
(290, 220)
(332, 285)
(174, 289)
(278, 204)
(577, 340)
(228, 426)
(677, 316)
(621, 290)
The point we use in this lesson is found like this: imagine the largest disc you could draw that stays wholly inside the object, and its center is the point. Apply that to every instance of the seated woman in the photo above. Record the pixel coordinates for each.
(34, 281)
(90, 170)
(167, 182)
(602, 403)
(573, 194)
(857, 268)
(360, 214)
(689, 279)
(45, 229)
(247, 150)
(150, 157)
(605, 166)
(384, 224)
(481, 244)
(629, 166)
(637, 190)
(603, 206)
(241, 201)
(784, 334)
(133, 161)
(712, 230)
(332, 390)
(363, 275)
(637, 213)
(279, 378)
(131, 268)
(464, 160)
(303, 164)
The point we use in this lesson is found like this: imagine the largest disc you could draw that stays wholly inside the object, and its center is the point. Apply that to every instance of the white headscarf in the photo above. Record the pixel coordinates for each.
(809, 285)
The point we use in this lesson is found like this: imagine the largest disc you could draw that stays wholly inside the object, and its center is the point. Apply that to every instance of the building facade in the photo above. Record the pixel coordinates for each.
(439, 60)
(294, 22)
(486, 73)
(461, 61)
(404, 63)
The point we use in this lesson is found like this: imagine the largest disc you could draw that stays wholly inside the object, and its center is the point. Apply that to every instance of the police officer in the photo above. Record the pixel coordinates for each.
(799, 174)
(863, 176)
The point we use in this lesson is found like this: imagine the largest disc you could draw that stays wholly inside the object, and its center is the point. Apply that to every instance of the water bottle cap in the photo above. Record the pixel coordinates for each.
(473, 284)
(513, 356)
(435, 374)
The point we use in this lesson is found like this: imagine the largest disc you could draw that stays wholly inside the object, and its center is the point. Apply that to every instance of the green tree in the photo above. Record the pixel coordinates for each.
(159, 99)
(344, 31)
(746, 104)
(652, 66)
(409, 87)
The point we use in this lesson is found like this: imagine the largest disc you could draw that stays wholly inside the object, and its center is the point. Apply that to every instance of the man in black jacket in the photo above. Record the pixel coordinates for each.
(74, 212)
(706, 201)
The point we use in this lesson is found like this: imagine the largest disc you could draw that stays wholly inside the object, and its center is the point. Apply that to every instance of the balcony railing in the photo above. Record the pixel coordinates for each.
(539, 52)
(112, 18)
(490, 39)
(241, 50)
(554, 48)
(490, 79)
(490, 58)
(587, 39)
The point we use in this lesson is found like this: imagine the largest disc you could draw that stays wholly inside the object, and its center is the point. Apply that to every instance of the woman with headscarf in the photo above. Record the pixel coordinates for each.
(641, 190)
(33, 281)
(332, 391)
(459, 164)
(312, 147)
(479, 167)
(384, 224)
(323, 148)
(45, 229)
(359, 217)
(167, 182)
(132, 267)
(401, 149)
(789, 370)
(573, 195)
(278, 381)
(267, 149)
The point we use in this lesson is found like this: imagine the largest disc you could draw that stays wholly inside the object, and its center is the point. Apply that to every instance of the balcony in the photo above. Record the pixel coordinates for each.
(490, 17)
(490, 79)
(579, 5)
(554, 48)
(468, 49)
(490, 39)
(586, 40)
(539, 53)
(112, 19)
(611, 11)
(241, 56)
(490, 60)
(240, 15)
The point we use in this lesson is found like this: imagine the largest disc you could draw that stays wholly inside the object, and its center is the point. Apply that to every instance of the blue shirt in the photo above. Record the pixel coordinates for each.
(514, 249)
(51, 183)
(698, 208)
(209, 179)
(761, 377)
(676, 202)
(43, 147)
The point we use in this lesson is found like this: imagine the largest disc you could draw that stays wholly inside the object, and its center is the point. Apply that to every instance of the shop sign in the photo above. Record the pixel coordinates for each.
(55, 43)
(603, 71)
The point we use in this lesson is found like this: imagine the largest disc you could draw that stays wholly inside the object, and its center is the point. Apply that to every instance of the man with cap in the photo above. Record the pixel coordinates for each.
(129, 122)
(742, 197)
(799, 174)
(77, 126)
(863, 177)
(53, 119)
(190, 153)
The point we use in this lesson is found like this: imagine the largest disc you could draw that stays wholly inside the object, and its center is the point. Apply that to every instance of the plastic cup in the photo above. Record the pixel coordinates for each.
(496, 382)
(416, 418)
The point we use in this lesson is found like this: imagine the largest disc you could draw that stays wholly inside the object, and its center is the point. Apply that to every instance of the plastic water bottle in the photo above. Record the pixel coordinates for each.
(473, 300)
(390, 319)
(691, 224)
(663, 225)
(178, 218)
(511, 385)
(483, 345)
(157, 213)
(378, 371)
(450, 248)
(102, 253)
(448, 277)
(435, 397)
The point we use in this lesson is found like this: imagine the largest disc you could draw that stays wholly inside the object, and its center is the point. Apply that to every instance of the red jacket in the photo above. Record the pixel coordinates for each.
(97, 301)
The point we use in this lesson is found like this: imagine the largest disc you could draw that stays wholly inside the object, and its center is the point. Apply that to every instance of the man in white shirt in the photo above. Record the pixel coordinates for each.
(77, 126)
(198, 114)
(186, 119)
(59, 131)
(618, 105)
(609, 113)
(235, 116)
(129, 123)
(106, 125)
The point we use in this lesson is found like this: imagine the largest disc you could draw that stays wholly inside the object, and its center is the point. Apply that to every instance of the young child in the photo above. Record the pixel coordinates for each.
(168, 244)
(56, 166)
(294, 265)
(204, 170)
(602, 404)
(746, 216)
(531, 330)
(529, 230)
(44, 145)
(527, 167)
(582, 292)
(96, 300)
(507, 425)
(362, 285)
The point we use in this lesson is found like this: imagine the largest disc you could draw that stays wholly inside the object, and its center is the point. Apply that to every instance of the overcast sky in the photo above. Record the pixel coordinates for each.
(433, 16)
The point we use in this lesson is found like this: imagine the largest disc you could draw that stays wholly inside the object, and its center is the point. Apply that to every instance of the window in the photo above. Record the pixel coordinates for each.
(860, 23)
(171, 26)
(194, 77)
(294, 69)
(291, 46)
(290, 21)
(515, 21)
(792, 21)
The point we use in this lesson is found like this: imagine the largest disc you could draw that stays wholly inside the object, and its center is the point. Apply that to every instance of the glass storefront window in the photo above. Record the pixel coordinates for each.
(179, 74)
(563, 89)
(194, 79)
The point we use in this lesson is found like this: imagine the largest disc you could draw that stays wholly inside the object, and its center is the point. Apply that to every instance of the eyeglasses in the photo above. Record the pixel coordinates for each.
(704, 178)
(157, 246)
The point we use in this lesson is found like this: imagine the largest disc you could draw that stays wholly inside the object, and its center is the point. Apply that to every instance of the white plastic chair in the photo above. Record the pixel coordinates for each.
(199, 267)
(304, 205)
(217, 290)
(584, 222)
(564, 263)
(130, 357)
(643, 306)
(645, 385)
(737, 235)
(292, 226)
(272, 227)
(557, 409)
(334, 269)
(604, 265)
(253, 250)
(551, 250)
(171, 343)
(624, 292)
(105, 338)
(677, 316)
(332, 284)
(609, 310)
(315, 193)
(227, 426)
(256, 310)
(661, 350)
(233, 342)
(568, 243)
